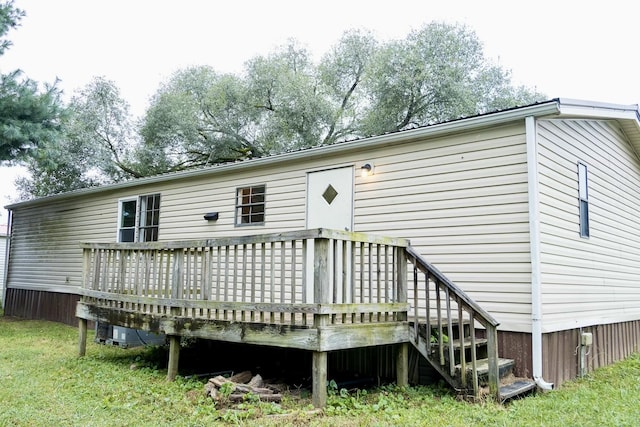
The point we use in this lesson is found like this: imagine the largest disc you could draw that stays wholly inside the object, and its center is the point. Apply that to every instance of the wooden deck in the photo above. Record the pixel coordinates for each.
(317, 290)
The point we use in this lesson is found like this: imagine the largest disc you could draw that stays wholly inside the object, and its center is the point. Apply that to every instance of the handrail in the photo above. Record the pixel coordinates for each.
(464, 303)
(322, 233)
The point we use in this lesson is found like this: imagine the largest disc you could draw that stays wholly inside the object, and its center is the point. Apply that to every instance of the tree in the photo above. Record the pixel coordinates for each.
(288, 106)
(282, 101)
(437, 73)
(341, 72)
(96, 146)
(199, 117)
(28, 116)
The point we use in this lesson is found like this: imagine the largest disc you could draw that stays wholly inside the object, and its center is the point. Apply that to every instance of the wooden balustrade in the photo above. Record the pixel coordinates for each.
(450, 320)
(270, 278)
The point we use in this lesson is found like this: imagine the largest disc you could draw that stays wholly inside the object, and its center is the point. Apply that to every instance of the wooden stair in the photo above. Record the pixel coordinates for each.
(510, 387)
(457, 337)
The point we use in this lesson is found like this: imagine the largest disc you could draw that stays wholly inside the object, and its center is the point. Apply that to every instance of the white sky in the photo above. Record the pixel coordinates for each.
(563, 48)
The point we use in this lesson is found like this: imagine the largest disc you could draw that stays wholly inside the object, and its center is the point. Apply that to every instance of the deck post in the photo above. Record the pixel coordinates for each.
(402, 352)
(319, 375)
(174, 356)
(82, 337)
(321, 284)
(401, 280)
(402, 364)
(492, 353)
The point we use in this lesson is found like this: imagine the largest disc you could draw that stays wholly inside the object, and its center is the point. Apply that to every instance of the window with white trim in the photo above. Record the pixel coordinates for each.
(250, 205)
(138, 219)
(583, 199)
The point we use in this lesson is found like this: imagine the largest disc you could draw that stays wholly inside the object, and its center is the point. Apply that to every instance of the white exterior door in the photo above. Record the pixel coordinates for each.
(330, 199)
(329, 205)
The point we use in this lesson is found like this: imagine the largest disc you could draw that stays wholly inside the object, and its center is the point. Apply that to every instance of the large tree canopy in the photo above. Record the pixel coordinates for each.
(96, 146)
(281, 102)
(29, 116)
(284, 101)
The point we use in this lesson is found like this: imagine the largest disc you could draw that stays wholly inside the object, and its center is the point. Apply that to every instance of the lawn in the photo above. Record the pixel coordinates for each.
(44, 383)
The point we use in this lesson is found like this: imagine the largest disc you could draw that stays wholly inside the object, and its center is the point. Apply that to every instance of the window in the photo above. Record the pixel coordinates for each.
(127, 229)
(583, 196)
(149, 214)
(138, 219)
(250, 205)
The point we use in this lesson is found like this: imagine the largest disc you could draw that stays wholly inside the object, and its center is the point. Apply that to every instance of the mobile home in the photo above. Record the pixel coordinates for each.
(530, 212)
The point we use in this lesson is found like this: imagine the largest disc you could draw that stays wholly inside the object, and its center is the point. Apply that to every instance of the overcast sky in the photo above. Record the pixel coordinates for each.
(563, 48)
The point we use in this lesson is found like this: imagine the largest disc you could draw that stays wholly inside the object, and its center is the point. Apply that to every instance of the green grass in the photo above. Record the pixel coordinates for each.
(44, 383)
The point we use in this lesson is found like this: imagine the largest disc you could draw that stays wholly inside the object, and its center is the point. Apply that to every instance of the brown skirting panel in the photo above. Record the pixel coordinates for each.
(517, 346)
(42, 305)
(611, 343)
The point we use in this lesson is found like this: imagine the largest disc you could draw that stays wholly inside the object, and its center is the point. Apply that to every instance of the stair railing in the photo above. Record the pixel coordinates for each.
(429, 284)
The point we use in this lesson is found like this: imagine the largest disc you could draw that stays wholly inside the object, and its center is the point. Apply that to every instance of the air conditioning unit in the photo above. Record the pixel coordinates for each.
(126, 337)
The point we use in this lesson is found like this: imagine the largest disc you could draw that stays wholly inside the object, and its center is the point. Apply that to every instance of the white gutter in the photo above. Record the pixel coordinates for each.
(534, 238)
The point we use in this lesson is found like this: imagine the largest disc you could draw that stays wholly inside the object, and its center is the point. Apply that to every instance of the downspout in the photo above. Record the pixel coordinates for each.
(534, 238)
(5, 270)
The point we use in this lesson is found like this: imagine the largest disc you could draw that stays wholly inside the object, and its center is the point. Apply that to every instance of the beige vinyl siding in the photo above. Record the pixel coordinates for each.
(595, 280)
(183, 204)
(462, 201)
(45, 252)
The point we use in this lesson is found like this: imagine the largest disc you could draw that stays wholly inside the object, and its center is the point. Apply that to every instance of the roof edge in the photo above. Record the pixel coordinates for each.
(576, 107)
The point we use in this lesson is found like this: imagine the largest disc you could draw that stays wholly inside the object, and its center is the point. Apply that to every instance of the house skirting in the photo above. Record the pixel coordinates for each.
(611, 343)
(41, 305)
(561, 352)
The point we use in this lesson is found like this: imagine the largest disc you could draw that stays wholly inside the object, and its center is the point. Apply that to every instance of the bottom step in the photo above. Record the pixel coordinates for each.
(504, 369)
(515, 389)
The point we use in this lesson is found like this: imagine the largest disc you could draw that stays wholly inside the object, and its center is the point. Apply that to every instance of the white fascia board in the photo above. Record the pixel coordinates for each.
(457, 126)
(571, 107)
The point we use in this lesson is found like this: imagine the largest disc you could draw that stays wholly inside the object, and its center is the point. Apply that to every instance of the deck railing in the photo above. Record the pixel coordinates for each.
(444, 311)
(285, 278)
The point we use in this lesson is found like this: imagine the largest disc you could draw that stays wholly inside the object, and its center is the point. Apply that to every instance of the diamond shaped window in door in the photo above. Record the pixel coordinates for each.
(329, 194)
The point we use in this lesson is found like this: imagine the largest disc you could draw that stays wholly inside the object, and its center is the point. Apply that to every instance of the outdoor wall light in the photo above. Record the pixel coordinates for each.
(211, 216)
(366, 170)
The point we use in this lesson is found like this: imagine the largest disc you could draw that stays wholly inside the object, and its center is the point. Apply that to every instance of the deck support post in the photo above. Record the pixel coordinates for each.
(402, 352)
(174, 356)
(319, 379)
(82, 337)
(402, 365)
(321, 295)
(492, 355)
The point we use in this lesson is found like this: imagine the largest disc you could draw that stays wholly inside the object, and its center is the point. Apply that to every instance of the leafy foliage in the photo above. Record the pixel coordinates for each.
(28, 116)
(285, 102)
(96, 146)
(281, 102)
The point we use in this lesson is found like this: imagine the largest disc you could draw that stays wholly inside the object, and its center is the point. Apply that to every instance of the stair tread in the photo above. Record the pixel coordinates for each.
(516, 388)
(467, 343)
(483, 365)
